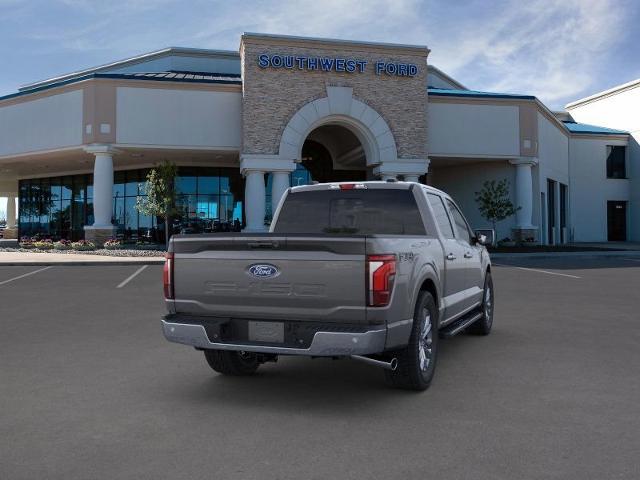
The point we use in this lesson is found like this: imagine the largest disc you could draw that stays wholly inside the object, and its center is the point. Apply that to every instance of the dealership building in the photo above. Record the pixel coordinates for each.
(245, 126)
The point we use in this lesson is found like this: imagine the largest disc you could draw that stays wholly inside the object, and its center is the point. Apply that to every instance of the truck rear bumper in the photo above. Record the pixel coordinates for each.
(324, 344)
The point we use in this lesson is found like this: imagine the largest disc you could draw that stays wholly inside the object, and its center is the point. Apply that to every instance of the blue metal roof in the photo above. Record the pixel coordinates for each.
(172, 76)
(575, 127)
(444, 92)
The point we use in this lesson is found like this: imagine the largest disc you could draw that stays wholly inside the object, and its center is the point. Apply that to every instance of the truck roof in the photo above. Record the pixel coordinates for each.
(375, 184)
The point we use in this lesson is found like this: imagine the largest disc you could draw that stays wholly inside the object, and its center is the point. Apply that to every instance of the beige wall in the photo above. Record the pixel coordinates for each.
(272, 96)
(49, 122)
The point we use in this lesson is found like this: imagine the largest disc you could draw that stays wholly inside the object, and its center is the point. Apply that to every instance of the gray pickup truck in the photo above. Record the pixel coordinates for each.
(374, 271)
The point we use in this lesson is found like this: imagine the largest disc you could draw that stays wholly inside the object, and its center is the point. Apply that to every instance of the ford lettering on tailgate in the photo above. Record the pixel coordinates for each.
(263, 270)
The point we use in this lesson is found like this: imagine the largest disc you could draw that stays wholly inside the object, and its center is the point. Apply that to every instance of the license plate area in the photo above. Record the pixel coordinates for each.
(269, 332)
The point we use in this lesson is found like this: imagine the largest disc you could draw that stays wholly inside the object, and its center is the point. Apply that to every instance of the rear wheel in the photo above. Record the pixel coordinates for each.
(232, 363)
(483, 326)
(417, 362)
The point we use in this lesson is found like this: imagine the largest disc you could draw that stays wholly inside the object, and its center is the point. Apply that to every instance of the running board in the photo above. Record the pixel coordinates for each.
(460, 324)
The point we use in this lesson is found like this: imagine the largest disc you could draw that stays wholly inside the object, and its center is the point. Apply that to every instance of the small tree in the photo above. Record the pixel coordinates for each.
(160, 193)
(494, 203)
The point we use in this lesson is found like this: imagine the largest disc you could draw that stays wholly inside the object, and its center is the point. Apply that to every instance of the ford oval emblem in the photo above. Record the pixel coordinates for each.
(263, 270)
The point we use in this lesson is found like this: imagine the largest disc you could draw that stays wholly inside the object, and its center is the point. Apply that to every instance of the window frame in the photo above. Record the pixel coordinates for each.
(446, 211)
(625, 172)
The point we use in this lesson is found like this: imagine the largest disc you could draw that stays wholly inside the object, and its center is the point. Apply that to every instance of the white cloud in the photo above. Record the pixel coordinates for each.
(554, 49)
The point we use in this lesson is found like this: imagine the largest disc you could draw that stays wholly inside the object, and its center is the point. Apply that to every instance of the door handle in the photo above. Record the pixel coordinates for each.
(451, 256)
(468, 255)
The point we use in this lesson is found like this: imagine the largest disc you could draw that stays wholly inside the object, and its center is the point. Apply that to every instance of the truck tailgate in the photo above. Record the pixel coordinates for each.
(271, 276)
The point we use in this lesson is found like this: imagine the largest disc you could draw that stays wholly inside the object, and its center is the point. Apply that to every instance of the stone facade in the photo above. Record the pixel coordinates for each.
(272, 96)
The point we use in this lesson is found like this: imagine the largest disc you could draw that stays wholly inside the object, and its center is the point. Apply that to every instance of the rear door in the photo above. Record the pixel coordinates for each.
(474, 276)
(455, 268)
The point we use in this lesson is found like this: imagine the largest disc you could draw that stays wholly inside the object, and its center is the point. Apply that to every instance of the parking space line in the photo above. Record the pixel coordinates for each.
(539, 271)
(132, 276)
(25, 275)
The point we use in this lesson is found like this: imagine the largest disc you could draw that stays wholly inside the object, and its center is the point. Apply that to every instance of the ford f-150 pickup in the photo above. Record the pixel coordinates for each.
(375, 271)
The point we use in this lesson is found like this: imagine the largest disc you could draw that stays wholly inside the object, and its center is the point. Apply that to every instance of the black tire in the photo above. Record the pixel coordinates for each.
(414, 373)
(232, 363)
(483, 326)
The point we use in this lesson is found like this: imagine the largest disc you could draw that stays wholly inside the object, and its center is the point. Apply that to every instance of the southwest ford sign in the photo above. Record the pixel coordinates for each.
(335, 64)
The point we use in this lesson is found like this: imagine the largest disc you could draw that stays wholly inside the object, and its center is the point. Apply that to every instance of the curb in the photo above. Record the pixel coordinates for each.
(543, 255)
(81, 263)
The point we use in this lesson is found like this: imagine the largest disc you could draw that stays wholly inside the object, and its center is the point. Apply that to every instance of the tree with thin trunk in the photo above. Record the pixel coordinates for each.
(160, 194)
(494, 203)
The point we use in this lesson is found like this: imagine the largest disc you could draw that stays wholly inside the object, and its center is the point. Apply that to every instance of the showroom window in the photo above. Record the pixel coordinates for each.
(616, 161)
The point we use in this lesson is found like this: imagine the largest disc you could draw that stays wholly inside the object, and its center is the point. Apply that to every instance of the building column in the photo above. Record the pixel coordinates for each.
(279, 185)
(524, 198)
(254, 200)
(102, 228)
(254, 167)
(11, 212)
(11, 232)
(408, 168)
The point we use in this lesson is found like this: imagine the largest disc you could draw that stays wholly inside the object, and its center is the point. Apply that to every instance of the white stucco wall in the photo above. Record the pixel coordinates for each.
(620, 110)
(190, 118)
(464, 129)
(41, 124)
(590, 189)
(462, 181)
(553, 158)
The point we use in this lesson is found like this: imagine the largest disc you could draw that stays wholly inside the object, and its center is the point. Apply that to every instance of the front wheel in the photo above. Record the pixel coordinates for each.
(417, 362)
(232, 363)
(483, 326)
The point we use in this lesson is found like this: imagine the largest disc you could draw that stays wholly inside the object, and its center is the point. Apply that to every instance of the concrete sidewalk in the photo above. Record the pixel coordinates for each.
(32, 258)
(585, 254)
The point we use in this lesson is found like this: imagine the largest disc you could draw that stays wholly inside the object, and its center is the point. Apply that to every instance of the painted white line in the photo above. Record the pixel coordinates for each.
(539, 271)
(132, 276)
(633, 259)
(25, 275)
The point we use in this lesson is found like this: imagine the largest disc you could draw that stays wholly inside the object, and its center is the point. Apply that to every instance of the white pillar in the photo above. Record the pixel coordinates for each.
(103, 190)
(254, 200)
(11, 211)
(279, 184)
(411, 178)
(524, 192)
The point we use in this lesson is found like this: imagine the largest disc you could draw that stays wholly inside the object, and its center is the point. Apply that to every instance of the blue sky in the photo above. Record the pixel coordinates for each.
(557, 50)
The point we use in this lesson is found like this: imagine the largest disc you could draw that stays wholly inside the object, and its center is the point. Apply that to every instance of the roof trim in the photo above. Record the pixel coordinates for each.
(442, 92)
(604, 93)
(118, 76)
(593, 129)
(335, 41)
(132, 61)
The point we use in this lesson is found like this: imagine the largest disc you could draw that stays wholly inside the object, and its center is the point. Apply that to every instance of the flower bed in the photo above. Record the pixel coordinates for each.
(113, 244)
(83, 245)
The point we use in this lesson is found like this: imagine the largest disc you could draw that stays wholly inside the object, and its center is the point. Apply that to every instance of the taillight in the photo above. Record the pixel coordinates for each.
(167, 276)
(381, 273)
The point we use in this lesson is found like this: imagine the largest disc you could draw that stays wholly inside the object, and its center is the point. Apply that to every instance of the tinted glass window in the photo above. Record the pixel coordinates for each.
(616, 167)
(360, 212)
(459, 222)
(440, 214)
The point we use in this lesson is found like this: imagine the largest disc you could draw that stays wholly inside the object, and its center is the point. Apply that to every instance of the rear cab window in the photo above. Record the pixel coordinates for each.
(350, 212)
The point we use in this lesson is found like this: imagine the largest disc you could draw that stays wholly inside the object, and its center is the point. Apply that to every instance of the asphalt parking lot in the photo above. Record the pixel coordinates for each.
(89, 388)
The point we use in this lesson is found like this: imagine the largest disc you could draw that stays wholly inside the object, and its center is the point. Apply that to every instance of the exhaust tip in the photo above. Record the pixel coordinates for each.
(393, 364)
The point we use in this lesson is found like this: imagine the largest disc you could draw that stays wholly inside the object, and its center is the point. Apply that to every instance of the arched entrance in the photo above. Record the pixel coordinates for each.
(332, 153)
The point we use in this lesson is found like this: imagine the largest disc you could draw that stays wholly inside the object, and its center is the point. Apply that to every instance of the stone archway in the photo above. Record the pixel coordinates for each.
(340, 108)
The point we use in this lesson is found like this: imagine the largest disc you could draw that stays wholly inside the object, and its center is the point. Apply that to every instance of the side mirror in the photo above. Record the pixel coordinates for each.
(485, 237)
